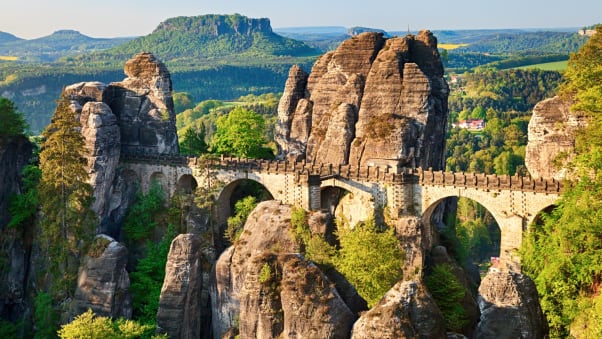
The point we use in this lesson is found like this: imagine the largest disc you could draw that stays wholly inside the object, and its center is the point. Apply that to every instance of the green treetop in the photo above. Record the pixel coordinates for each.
(240, 133)
(12, 122)
(64, 194)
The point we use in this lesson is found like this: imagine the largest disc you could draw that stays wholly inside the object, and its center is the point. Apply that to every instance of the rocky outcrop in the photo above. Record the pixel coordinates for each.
(263, 289)
(15, 153)
(406, 311)
(509, 307)
(551, 133)
(370, 99)
(143, 105)
(103, 282)
(14, 248)
(179, 314)
(132, 116)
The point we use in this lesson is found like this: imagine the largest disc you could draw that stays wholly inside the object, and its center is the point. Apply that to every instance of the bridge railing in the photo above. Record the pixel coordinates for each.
(359, 173)
(489, 181)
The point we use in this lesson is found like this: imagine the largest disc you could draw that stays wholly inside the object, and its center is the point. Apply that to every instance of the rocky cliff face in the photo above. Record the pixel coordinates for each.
(132, 116)
(14, 155)
(103, 283)
(510, 307)
(551, 132)
(14, 248)
(406, 311)
(263, 289)
(179, 314)
(370, 99)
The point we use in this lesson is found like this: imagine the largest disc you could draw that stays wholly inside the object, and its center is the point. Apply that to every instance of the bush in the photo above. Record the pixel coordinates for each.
(448, 292)
(370, 259)
(89, 325)
(236, 223)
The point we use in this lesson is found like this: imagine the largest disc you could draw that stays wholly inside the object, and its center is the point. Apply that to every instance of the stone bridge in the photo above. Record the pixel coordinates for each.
(514, 201)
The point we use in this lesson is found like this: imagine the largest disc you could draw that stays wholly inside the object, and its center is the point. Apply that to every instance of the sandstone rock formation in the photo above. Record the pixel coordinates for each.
(14, 155)
(264, 289)
(132, 116)
(551, 132)
(509, 307)
(406, 311)
(14, 250)
(103, 282)
(179, 313)
(371, 100)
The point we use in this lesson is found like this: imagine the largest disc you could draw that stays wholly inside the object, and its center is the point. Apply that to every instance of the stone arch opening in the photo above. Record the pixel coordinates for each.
(234, 192)
(345, 202)
(160, 179)
(468, 230)
(466, 244)
(186, 184)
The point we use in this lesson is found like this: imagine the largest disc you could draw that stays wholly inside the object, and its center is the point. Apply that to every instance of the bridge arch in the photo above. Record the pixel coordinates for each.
(225, 204)
(160, 179)
(186, 184)
(353, 200)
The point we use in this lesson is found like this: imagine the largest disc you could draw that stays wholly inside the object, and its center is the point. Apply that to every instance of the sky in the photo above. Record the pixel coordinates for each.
(115, 18)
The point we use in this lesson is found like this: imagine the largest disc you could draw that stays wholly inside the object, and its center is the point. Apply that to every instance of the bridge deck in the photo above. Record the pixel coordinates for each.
(364, 173)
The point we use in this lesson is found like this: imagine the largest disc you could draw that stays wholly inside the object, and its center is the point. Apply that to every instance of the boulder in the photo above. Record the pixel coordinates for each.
(371, 99)
(406, 311)
(179, 314)
(552, 131)
(509, 307)
(265, 289)
(103, 283)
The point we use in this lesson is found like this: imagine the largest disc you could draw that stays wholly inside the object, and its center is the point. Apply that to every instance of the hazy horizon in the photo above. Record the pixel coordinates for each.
(137, 18)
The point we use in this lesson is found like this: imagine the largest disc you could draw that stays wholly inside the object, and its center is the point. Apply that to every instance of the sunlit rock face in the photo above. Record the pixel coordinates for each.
(265, 289)
(103, 283)
(552, 132)
(372, 98)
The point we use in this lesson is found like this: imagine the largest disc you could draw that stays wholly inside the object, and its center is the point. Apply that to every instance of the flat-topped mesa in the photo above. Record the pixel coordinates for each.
(371, 101)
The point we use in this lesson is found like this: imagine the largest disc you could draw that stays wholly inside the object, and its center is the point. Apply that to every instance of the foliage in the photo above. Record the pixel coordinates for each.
(193, 142)
(564, 253)
(370, 258)
(448, 293)
(23, 207)
(140, 218)
(8, 329)
(182, 101)
(313, 246)
(65, 197)
(147, 279)
(13, 123)
(89, 325)
(241, 134)
(265, 274)
(504, 99)
(242, 210)
(528, 42)
(45, 317)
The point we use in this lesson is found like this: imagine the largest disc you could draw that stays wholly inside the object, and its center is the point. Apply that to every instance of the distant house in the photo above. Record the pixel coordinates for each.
(470, 124)
(587, 32)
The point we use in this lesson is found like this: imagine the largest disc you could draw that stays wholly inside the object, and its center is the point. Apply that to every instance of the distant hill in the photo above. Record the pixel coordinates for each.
(527, 42)
(184, 41)
(7, 37)
(210, 57)
(52, 47)
(325, 38)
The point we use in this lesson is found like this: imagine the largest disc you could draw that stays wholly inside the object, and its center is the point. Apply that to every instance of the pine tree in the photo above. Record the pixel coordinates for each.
(12, 122)
(65, 196)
